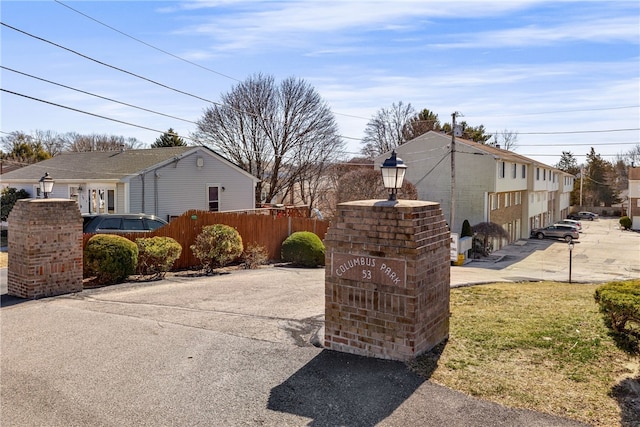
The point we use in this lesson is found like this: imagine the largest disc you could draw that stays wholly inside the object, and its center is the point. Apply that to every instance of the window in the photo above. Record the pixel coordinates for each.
(132, 224)
(502, 170)
(537, 174)
(514, 172)
(110, 224)
(111, 201)
(544, 174)
(507, 200)
(495, 204)
(213, 198)
(524, 171)
(518, 198)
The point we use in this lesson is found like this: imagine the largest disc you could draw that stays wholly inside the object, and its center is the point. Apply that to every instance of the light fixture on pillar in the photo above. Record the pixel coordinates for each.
(393, 170)
(46, 185)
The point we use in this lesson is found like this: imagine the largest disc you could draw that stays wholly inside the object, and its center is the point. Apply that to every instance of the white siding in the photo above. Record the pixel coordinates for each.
(179, 186)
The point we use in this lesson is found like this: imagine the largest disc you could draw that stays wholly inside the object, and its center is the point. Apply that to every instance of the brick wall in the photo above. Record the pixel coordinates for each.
(45, 248)
(387, 279)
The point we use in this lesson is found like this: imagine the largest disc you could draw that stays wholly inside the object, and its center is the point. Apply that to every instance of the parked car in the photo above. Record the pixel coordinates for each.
(566, 232)
(121, 223)
(583, 215)
(573, 222)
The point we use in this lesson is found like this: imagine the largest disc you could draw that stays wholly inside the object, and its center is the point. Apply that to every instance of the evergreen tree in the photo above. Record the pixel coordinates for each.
(569, 164)
(169, 139)
(597, 181)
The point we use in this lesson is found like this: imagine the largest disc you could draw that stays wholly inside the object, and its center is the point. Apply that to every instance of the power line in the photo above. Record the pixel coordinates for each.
(97, 96)
(174, 55)
(578, 131)
(83, 112)
(145, 43)
(117, 68)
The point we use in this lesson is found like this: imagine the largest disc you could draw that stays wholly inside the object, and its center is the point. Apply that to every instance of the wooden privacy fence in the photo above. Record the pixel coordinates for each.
(265, 230)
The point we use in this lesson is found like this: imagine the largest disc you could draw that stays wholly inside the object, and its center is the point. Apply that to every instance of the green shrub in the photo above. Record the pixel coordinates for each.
(216, 246)
(110, 258)
(620, 302)
(466, 229)
(8, 198)
(303, 248)
(156, 255)
(255, 255)
(625, 223)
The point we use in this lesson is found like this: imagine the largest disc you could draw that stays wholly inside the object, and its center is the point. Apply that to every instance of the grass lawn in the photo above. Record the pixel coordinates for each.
(542, 346)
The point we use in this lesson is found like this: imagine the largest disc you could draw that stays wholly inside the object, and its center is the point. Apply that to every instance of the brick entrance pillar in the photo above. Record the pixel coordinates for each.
(45, 248)
(387, 279)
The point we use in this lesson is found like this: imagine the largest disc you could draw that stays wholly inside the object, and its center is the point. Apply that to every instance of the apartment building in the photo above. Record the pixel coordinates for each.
(491, 184)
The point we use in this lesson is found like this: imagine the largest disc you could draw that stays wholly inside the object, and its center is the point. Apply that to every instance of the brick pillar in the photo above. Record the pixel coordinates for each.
(45, 248)
(387, 279)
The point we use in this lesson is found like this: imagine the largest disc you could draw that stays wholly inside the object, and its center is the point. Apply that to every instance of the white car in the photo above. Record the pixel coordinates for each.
(573, 222)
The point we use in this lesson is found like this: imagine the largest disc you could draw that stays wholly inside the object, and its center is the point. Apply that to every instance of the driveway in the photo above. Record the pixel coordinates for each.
(603, 253)
(229, 350)
(241, 349)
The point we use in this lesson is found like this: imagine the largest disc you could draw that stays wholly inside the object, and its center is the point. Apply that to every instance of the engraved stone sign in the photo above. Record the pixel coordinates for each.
(372, 269)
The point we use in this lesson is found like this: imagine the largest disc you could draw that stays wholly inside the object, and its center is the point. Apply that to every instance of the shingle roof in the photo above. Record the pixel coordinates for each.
(489, 149)
(97, 165)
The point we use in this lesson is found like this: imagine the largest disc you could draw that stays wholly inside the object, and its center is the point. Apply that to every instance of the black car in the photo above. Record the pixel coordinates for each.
(121, 223)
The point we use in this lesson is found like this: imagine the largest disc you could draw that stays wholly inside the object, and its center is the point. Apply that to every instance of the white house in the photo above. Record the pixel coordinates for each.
(162, 181)
(491, 184)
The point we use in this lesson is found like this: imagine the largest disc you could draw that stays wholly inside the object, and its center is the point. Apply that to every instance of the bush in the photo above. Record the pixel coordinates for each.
(255, 255)
(110, 258)
(620, 302)
(9, 198)
(303, 248)
(466, 229)
(216, 246)
(625, 223)
(156, 255)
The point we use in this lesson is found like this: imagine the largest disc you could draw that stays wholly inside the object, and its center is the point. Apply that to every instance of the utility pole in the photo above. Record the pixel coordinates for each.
(581, 181)
(452, 210)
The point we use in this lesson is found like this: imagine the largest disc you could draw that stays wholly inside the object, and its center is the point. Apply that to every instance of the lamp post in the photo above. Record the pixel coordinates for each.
(393, 170)
(570, 245)
(46, 185)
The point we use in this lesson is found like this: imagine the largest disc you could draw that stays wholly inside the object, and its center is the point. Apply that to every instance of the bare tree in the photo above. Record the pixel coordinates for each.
(387, 129)
(366, 183)
(275, 132)
(505, 139)
(23, 148)
(96, 142)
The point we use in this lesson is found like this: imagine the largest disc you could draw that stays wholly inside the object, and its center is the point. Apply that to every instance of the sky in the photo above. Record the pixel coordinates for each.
(565, 76)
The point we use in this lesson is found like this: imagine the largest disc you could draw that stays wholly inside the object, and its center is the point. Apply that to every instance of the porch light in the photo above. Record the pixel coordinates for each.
(393, 170)
(46, 185)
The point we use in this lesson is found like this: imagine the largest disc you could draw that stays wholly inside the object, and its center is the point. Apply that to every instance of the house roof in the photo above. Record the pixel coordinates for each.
(101, 165)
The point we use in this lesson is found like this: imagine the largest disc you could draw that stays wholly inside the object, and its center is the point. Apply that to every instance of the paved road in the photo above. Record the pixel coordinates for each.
(603, 253)
(237, 349)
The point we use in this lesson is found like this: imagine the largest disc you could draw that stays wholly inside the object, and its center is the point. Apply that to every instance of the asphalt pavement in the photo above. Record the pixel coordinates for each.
(243, 349)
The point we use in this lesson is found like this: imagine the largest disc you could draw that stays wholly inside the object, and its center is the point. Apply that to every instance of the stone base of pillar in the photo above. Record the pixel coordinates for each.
(45, 248)
(387, 279)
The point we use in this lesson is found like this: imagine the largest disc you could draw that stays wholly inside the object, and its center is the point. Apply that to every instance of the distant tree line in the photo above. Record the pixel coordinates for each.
(393, 126)
(599, 182)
